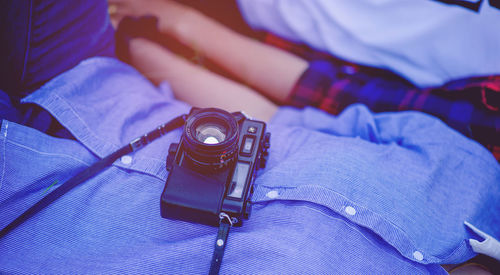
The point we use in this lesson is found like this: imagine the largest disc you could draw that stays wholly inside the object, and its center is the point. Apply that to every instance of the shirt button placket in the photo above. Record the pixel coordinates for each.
(272, 194)
(350, 210)
(418, 255)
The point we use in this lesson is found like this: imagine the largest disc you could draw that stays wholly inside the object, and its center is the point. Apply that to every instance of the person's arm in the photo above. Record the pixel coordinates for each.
(271, 71)
(194, 84)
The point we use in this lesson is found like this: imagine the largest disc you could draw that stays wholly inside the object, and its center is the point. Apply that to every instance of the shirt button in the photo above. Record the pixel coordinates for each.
(350, 210)
(418, 255)
(220, 242)
(126, 159)
(272, 194)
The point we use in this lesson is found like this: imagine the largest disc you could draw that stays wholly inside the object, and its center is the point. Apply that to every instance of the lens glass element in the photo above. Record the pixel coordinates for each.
(210, 133)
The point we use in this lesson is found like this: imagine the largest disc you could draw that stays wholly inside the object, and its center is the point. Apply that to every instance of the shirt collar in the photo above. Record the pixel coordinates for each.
(104, 112)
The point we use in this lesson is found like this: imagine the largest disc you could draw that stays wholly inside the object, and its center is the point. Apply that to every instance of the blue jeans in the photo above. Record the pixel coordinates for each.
(42, 39)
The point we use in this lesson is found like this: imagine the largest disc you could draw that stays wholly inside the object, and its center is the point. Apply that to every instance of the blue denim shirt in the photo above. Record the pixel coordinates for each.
(356, 193)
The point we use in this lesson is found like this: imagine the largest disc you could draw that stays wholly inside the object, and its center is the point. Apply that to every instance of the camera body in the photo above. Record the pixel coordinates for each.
(212, 168)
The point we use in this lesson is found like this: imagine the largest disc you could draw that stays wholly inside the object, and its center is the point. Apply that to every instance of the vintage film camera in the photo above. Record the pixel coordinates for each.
(212, 168)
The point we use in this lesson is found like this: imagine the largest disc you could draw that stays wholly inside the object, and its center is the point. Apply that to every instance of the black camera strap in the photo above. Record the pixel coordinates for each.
(225, 225)
(93, 170)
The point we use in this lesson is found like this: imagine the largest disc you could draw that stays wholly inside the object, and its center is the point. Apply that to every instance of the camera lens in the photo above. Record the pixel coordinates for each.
(211, 137)
(210, 133)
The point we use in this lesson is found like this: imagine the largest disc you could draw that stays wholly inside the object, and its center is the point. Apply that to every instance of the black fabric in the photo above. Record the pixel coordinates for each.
(7, 110)
(495, 3)
(38, 118)
(44, 38)
(473, 6)
(15, 21)
(132, 27)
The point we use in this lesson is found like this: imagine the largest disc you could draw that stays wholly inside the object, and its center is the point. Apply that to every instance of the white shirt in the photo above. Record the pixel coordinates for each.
(427, 42)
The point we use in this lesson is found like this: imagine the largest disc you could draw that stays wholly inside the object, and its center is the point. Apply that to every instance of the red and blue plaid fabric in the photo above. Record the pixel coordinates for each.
(471, 105)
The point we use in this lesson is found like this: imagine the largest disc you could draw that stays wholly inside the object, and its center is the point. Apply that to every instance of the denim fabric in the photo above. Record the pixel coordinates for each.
(357, 193)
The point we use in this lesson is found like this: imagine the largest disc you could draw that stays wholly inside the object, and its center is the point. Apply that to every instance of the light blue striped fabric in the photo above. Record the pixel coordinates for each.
(358, 193)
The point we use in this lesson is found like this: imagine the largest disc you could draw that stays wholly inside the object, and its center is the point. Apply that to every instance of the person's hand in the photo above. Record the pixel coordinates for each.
(121, 8)
(168, 12)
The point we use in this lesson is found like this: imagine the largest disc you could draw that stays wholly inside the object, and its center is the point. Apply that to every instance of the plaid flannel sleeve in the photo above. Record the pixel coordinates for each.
(471, 105)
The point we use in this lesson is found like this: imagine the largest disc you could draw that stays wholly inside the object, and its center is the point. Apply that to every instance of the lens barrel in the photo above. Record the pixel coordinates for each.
(211, 138)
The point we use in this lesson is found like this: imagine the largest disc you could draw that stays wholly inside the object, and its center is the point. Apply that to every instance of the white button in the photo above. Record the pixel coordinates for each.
(220, 242)
(418, 255)
(350, 210)
(126, 159)
(272, 194)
